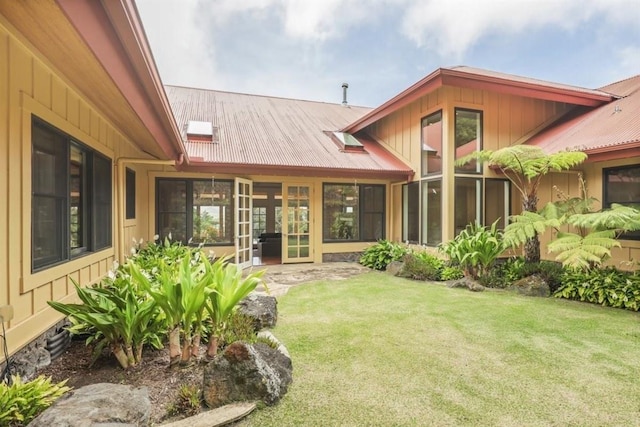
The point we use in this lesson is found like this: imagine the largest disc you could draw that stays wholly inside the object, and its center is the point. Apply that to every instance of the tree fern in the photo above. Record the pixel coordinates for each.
(623, 218)
(583, 252)
(528, 225)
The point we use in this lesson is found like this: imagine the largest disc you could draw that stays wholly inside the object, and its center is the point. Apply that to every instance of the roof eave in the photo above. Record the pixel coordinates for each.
(130, 65)
(623, 151)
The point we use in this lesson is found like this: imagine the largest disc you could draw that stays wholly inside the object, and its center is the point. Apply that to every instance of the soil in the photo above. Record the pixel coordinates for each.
(162, 381)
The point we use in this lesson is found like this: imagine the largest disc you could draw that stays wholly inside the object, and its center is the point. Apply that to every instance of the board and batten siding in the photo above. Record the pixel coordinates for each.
(30, 87)
(507, 119)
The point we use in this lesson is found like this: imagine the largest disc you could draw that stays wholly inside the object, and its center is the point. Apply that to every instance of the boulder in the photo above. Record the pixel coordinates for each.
(262, 309)
(247, 372)
(467, 283)
(395, 267)
(533, 286)
(98, 405)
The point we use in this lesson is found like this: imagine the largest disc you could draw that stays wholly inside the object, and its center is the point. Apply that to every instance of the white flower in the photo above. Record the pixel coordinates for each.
(170, 238)
(141, 241)
(133, 251)
(156, 237)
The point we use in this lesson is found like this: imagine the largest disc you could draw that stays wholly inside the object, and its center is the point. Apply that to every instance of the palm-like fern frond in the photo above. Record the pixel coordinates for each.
(582, 252)
(526, 226)
(619, 217)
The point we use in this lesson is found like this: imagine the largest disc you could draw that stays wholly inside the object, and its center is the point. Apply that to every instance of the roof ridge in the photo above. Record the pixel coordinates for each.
(262, 96)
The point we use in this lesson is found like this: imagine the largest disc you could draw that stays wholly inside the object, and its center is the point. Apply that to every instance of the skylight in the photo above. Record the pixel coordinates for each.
(347, 140)
(201, 131)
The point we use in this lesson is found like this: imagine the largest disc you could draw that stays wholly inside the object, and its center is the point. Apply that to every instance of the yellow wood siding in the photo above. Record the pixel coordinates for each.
(29, 86)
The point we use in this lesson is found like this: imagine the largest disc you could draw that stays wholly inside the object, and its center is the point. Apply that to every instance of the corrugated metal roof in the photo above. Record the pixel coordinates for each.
(615, 125)
(270, 132)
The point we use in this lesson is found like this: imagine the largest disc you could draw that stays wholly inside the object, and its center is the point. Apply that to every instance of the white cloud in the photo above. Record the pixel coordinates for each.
(454, 26)
(178, 41)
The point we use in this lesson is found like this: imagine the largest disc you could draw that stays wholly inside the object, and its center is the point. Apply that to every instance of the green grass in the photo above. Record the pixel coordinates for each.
(378, 350)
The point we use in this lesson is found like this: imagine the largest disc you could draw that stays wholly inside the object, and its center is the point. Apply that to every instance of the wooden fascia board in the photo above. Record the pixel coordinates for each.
(428, 84)
(526, 90)
(93, 21)
(613, 152)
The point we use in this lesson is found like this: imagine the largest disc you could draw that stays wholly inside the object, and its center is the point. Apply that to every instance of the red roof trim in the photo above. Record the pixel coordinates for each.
(467, 79)
(113, 31)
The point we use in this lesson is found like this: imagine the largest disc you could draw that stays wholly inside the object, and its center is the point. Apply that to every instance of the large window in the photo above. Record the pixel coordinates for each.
(432, 212)
(130, 194)
(622, 185)
(411, 212)
(71, 197)
(497, 202)
(353, 212)
(195, 211)
(432, 144)
(468, 138)
(468, 203)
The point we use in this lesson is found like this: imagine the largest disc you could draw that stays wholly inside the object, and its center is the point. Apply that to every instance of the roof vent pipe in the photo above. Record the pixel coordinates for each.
(345, 86)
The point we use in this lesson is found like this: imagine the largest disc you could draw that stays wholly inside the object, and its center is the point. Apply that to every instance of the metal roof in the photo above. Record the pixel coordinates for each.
(277, 136)
(609, 131)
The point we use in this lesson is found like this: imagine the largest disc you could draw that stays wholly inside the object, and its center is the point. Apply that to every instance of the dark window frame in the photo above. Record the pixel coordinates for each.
(189, 209)
(606, 203)
(96, 229)
(130, 193)
(459, 170)
(361, 211)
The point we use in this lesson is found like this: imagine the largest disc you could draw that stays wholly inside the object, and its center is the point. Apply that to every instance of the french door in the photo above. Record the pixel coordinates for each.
(244, 242)
(296, 223)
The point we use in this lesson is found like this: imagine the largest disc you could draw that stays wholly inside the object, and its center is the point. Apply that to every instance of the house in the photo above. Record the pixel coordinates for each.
(97, 154)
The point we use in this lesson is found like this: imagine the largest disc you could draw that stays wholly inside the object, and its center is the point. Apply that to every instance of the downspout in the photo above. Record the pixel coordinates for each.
(120, 192)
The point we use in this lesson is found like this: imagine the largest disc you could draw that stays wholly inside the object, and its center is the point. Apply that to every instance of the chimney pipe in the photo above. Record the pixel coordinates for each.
(345, 86)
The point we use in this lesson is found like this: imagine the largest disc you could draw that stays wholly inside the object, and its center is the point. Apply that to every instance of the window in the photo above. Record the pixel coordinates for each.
(497, 202)
(259, 221)
(468, 138)
(432, 212)
(432, 144)
(468, 201)
(411, 212)
(196, 211)
(353, 212)
(71, 198)
(130, 189)
(622, 185)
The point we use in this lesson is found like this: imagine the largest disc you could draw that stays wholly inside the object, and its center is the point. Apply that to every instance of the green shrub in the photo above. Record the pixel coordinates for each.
(21, 402)
(608, 287)
(239, 328)
(422, 266)
(451, 273)
(381, 254)
(475, 249)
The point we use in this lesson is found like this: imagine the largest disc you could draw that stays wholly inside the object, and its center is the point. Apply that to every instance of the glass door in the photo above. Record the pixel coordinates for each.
(244, 243)
(296, 224)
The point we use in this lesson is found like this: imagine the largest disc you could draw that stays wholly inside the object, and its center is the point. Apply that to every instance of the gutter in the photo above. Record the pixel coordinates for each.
(120, 192)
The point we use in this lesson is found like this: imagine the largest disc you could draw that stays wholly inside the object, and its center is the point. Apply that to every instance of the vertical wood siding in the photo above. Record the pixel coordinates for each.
(28, 86)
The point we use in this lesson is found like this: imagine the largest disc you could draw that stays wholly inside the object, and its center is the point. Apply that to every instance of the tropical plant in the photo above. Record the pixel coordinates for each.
(451, 273)
(475, 248)
(21, 402)
(228, 288)
(188, 402)
(181, 295)
(115, 317)
(380, 255)
(594, 233)
(524, 166)
(607, 286)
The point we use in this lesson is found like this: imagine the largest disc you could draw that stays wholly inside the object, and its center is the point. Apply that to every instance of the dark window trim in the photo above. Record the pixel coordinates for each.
(189, 208)
(605, 197)
(360, 210)
(481, 112)
(430, 174)
(89, 208)
(130, 193)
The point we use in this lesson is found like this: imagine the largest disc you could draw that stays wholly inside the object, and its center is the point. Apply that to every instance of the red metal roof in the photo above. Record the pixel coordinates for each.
(607, 132)
(476, 78)
(277, 136)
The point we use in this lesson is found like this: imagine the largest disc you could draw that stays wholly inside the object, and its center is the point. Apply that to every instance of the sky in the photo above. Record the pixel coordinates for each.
(306, 49)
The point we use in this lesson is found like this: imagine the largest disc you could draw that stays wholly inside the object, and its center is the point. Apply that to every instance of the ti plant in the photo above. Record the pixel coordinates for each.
(116, 317)
(475, 248)
(228, 289)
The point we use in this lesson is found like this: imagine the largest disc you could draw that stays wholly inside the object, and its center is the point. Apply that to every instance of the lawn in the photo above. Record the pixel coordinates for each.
(377, 350)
